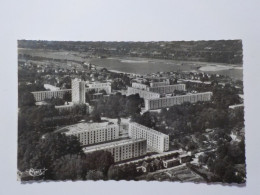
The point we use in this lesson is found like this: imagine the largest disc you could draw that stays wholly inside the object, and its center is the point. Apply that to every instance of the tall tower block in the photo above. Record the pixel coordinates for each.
(78, 91)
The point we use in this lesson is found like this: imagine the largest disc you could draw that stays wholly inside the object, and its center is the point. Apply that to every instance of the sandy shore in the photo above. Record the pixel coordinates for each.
(215, 68)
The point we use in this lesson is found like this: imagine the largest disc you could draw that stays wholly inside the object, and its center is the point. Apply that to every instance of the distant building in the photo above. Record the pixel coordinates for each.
(167, 88)
(121, 150)
(158, 103)
(158, 84)
(156, 141)
(140, 86)
(142, 93)
(97, 87)
(78, 91)
(51, 87)
(92, 133)
(236, 106)
(157, 87)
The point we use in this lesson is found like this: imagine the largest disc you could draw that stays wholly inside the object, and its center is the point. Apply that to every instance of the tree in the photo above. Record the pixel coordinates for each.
(99, 160)
(96, 117)
(103, 92)
(95, 175)
(148, 120)
(69, 167)
(27, 99)
(67, 97)
(37, 152)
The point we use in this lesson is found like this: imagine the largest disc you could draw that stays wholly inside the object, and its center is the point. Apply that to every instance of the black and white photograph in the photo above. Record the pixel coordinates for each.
(163, 111)
(129, 97)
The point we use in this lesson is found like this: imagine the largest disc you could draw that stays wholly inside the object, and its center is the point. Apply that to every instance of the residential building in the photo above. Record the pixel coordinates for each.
(121, 150)
(156, 141)
(97, 87)
(42, 95)
(92, 133)
(171, 163)
(142, 93)
(158, 103)
(158, 84)
(167, 88)
(78, 91)
(140, 86)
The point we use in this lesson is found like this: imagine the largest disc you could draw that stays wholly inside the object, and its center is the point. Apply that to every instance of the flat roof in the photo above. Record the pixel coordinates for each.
(82, 127)
(189, 94)
(111, 144)
(144, 90)
(52, 91)
(236, 105)
(168, 85)
(148, 129)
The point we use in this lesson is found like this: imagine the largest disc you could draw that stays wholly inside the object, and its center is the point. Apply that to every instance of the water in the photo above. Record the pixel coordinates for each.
(146, 66)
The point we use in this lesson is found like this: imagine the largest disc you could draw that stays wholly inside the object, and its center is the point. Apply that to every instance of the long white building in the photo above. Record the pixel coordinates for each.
(78, 91)
(142, 93)
(121, 150)
(156, 141)
(42, 95)
(159, 87)
(167, 88)
(158, 84)
(92, 133)
(153, 104)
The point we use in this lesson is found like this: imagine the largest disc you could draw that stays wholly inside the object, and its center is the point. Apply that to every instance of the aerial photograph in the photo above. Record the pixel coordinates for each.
(155, 111)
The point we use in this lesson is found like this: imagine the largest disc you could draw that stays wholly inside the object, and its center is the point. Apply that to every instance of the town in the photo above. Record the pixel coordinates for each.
(82, 121)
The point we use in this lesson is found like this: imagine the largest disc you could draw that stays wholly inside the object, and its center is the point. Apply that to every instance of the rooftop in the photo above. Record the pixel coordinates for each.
(51, 91)
(81, 127)
(236, 106)
(170, 160)
(148, 129)
(111, 145)
(189, 94)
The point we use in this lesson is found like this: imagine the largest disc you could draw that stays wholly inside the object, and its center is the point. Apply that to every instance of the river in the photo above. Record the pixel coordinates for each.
(147, 66)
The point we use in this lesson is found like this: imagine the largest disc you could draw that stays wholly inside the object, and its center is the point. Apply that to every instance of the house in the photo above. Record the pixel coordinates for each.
(146, 167)
(171, 163)
(158, 164)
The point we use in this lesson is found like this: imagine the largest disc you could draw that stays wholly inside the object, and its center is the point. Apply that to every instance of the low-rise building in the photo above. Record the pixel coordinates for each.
(236, 106)
(171, 163)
